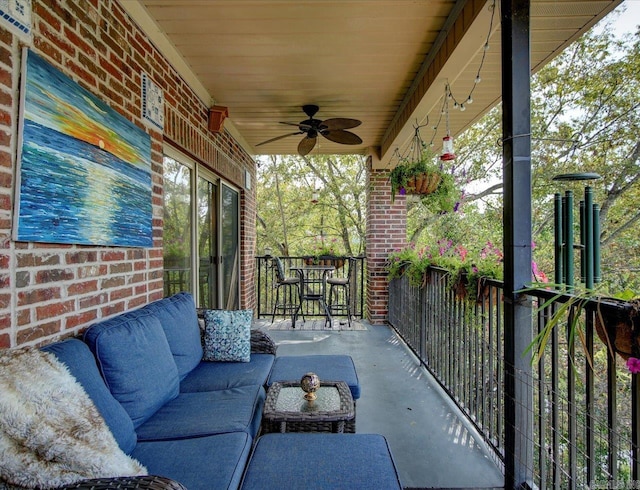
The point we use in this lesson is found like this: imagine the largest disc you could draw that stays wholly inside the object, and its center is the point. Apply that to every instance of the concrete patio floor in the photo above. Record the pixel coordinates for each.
(432, 444)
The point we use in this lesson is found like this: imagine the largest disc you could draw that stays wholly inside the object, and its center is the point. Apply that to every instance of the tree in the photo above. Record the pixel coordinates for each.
(585, 117)
(292, 224)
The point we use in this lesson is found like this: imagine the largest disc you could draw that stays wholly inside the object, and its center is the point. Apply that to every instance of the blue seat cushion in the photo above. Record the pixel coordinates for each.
(327, 367)
(206, 413)
(136, 363)
(179, 320)
(321, 461)
(200, 463)
(76, 355)
(210, 376)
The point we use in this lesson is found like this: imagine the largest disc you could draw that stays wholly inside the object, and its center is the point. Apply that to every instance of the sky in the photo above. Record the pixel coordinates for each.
(628, 22)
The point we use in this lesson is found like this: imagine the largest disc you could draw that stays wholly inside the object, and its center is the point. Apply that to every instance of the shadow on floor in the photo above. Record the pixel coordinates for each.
(432, 444)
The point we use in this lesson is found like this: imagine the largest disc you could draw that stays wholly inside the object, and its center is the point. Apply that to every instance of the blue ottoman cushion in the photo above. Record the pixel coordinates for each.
(206, 413)
(76, 355)
(200, 463)
(321, 461)
(136, 363)
(327, 367)
(210, 376)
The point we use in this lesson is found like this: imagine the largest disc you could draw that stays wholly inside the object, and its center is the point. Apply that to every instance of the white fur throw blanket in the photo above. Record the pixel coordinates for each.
(51, 433)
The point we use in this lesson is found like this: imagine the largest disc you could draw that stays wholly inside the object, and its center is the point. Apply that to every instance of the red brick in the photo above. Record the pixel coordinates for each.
(91, 271)
(5, 341)
(112, 282)
(58, 42)
(24, 317)
(82, 288)
(82, 73)
(83, 318)
(112, 256)
(47, 49)
(119, 294)
(80, 257)
(112, 309)
(122, 267)
(136, 302)
(78, 42)
(37, 332)
(45, 15)
(97, 300)
(34, 296)
(53, 275)
(53, 310)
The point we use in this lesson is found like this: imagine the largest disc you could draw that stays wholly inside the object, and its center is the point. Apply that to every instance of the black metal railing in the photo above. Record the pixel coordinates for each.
(266, 281)
(586, 405)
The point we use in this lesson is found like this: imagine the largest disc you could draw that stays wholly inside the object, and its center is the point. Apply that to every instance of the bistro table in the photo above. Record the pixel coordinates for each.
(313, 287)
(286, 409)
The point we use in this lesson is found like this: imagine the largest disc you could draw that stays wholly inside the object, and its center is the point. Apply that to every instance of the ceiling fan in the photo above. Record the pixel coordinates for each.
(333, 129)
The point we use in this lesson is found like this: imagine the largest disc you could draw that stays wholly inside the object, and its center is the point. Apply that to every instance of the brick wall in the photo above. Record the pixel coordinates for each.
(386, 231)
(51, 291)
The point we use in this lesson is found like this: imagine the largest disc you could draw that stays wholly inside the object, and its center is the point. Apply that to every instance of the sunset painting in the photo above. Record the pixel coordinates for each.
(85, 170)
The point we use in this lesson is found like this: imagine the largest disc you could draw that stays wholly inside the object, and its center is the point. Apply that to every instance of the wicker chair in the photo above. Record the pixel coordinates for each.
(342, 284)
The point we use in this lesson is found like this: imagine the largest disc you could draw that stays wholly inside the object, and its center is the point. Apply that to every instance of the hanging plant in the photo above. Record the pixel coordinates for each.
(423, 174)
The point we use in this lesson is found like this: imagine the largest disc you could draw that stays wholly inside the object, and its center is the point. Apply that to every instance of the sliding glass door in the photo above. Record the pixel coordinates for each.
(201, 234)
(230, 241)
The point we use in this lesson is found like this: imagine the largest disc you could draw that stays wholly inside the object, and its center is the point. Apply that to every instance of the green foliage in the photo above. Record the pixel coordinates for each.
(399, 260)
(585, 117)
(467, 270)
(291, 224)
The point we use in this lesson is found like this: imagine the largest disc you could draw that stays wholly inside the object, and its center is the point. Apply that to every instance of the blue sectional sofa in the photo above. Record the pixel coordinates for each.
(193, 423)
(183, 418)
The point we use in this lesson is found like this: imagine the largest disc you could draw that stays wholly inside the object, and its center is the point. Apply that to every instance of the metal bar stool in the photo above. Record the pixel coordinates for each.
(341, 303)
(291, 287)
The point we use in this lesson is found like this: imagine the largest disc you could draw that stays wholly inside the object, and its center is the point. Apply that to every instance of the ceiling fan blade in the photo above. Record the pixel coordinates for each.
(279, 138)
(342, 136)
(340, 123)
(306, 145)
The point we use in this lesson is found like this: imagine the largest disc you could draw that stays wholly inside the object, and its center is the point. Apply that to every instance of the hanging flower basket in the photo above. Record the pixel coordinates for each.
(620, 331)
(423, 183)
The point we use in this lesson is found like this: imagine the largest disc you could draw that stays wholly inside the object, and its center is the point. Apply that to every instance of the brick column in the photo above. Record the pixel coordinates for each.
(386, 231)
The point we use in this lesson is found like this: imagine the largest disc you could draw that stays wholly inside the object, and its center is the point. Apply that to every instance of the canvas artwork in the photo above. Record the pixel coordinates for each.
(85, 170)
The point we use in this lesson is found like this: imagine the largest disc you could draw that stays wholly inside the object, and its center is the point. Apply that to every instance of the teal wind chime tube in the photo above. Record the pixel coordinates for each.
(597, 272)
(583, 241)
(588, 233)
(558, 236)
(568, 238)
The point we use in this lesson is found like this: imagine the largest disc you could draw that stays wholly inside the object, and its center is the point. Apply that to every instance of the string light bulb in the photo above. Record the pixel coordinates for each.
(470, 100)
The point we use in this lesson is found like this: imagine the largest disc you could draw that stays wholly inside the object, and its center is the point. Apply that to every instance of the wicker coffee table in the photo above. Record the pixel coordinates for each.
(286, 410)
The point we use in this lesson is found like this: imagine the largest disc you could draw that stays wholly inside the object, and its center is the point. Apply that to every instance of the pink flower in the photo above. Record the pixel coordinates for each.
(633, 364)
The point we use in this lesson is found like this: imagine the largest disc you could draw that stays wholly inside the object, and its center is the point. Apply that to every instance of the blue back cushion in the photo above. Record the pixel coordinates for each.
(82, 365)
(179, 321)
(136, 363)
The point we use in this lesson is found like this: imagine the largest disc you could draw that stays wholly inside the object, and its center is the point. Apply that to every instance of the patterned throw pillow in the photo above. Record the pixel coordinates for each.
(227, 335)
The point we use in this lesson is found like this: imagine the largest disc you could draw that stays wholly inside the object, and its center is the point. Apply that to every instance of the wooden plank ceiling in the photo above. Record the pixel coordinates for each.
(384, 62)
